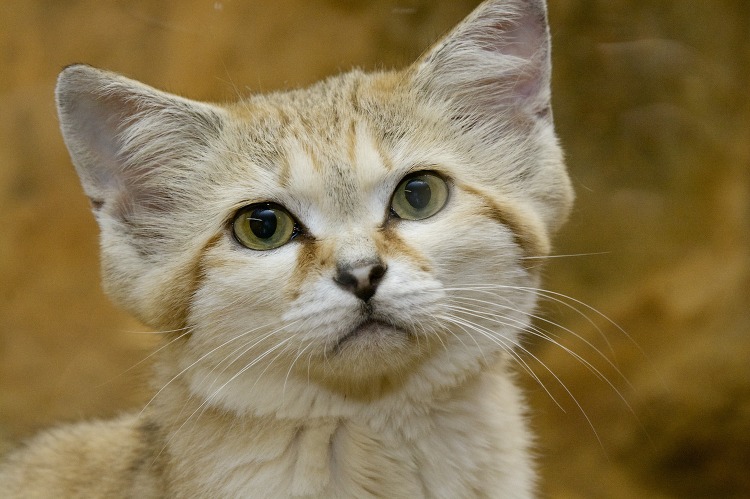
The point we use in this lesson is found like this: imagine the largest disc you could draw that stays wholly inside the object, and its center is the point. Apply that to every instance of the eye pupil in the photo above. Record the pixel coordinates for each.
(418, 193)
(263, 226)
(263, 223)
(419, 196)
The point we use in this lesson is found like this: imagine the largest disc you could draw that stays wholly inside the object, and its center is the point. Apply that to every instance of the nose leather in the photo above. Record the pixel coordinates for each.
(361, 279)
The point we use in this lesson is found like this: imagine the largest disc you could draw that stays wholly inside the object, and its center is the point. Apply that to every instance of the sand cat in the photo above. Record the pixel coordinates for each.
(343, 272)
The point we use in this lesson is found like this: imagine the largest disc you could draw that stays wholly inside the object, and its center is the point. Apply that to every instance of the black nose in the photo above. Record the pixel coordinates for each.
(361, 279)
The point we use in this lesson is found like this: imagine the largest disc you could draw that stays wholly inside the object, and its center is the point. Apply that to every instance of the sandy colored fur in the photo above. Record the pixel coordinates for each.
(279, 381)
(113, 454)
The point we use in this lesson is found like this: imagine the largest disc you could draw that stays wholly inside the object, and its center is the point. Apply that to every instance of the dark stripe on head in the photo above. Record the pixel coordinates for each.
(528, 232)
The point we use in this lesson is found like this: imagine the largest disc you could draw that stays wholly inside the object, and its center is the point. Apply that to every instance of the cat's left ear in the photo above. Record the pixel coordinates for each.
(496, 63)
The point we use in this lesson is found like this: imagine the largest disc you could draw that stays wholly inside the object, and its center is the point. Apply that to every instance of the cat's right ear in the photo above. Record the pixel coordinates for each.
(128, 140)
(142, 156)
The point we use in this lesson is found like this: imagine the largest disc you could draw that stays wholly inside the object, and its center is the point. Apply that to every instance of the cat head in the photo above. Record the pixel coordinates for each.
(353, 231)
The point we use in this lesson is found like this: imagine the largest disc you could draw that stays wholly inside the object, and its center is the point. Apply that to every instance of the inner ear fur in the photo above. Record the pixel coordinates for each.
(494, 64)
(143, 157)
(132, 145)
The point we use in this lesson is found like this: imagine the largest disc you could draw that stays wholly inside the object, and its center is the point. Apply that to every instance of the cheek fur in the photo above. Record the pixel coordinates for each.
(528, 230)
(464, 241)
(313, 258)
(240, 285)
(392, 245)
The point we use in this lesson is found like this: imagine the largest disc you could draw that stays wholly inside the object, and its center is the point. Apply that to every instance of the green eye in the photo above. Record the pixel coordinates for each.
(419, 196)
(263, 226)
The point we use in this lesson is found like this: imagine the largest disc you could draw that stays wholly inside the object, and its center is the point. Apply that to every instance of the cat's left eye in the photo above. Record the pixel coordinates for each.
(263, 226)
(419, 196)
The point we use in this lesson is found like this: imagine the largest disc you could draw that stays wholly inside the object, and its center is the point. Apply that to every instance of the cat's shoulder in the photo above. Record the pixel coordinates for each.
(87, 459)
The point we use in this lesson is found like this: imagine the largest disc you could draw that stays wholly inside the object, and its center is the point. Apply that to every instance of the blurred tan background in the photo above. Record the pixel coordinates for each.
(652, 105)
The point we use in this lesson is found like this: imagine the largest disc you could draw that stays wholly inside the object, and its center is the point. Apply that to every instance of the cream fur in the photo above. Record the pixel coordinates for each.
(256, 395)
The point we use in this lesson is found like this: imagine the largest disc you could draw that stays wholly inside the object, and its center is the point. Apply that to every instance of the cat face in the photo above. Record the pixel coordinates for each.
(356, 290)
(347, 235)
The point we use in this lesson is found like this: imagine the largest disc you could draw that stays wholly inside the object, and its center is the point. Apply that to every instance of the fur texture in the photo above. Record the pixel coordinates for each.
(276, 380)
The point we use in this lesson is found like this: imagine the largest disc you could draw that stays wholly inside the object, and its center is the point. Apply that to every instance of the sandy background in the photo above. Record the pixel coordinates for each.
(652, 102)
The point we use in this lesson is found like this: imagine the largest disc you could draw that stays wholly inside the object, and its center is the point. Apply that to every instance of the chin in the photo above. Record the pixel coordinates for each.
(370, 360)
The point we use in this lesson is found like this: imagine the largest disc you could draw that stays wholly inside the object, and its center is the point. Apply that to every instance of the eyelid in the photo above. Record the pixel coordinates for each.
(420, 170)
(236, 208)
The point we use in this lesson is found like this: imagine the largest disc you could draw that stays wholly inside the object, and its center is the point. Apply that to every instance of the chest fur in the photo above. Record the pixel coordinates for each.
(457, 447)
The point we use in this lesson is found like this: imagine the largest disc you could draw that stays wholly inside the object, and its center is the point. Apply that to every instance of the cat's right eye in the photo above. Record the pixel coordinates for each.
(264, 226)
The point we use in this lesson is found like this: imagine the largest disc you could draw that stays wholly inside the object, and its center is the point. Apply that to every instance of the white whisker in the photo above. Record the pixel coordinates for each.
(202, 357)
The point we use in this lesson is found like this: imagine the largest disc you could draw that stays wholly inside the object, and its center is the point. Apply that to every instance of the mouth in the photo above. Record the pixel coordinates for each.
(368, 330)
